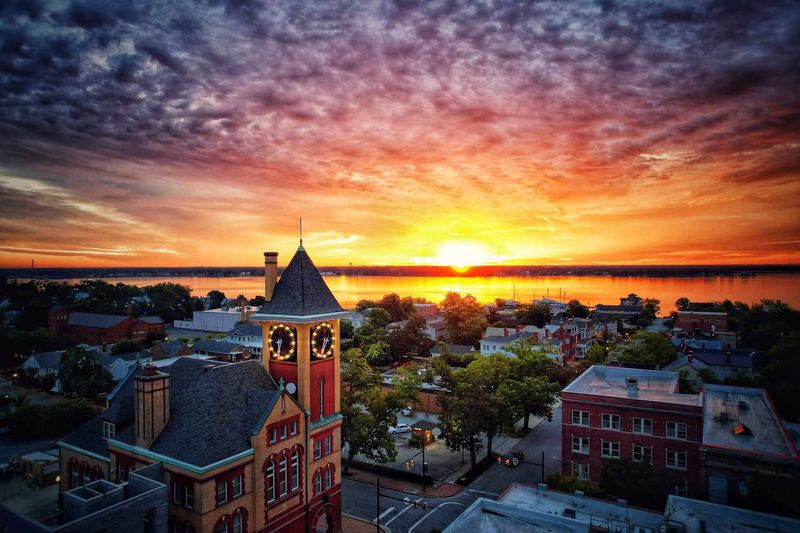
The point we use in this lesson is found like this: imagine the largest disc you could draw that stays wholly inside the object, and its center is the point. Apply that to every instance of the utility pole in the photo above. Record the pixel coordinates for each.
(378, 506)
(423, 463)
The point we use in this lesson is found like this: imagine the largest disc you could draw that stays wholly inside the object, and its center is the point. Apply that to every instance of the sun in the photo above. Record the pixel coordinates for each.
(461, 255)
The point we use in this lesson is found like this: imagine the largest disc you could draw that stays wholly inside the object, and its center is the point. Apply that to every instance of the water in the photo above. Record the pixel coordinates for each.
(589, 290)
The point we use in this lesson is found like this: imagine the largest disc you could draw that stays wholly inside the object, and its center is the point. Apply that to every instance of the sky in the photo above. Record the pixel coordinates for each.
(432, 132)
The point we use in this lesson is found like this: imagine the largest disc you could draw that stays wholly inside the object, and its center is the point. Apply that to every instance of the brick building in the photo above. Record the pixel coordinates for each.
(248, 446)
(701, 321)
(97, 328)
(622, 413)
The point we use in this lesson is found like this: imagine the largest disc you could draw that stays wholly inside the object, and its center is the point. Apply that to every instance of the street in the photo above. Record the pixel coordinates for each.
(400, 515)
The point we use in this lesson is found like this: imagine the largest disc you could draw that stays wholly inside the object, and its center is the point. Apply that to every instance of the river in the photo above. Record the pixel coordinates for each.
(590, 290)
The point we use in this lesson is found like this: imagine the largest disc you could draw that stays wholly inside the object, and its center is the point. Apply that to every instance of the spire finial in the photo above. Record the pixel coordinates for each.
(301, 235)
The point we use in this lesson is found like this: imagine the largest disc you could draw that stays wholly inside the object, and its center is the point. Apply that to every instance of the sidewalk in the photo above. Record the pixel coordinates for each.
(351, 524)
(442, 490)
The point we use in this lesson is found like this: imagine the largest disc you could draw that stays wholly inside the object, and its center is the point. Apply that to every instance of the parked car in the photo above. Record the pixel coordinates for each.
(400, 428)
(408, 411)
(512, 459)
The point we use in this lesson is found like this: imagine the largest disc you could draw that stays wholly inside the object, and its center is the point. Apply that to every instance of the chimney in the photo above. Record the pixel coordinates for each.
(690, 358)
(243, 317)
(631, 384)
(152, 405)
(505, 332)
(270, 273)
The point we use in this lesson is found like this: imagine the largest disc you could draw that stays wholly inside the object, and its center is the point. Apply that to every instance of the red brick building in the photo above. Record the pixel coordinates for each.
(622, 413)
(703, 321)
(97, 328)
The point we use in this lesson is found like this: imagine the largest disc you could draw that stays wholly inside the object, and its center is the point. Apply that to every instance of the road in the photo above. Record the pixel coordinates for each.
(400, 515)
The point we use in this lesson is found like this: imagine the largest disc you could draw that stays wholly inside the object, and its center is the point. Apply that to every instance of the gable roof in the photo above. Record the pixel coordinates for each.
(152, 319)
(204, 397)
(208, 345)
(95, 320)
(48, 359)
(301, 291)
(246, 329)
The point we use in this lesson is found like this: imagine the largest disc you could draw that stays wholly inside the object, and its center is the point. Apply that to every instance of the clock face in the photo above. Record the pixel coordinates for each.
(322, 340)
(282, 342)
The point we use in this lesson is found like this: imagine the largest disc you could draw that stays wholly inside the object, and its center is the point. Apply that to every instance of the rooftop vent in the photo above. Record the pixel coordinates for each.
(741, 430)
(569, 513)
(631, 383)
(743, 405)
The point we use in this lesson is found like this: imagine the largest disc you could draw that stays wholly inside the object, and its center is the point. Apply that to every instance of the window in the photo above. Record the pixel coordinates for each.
(273, 435)
(322, 397)
(177, 493)
(293, 428)
(222, 527)
(317, 483)
(283, 431)
(328, 444)
(580, 444)
(676, 460)
(676, 430)
(270, 481)
(643, 454)
(295, 469)
(282, 475)
(222, 492)
(610, 421)
(189, 493)
(237, 486)
(328, 477)
(643, 426)
(87, 474)
(580, 418)
(75, 475)
(680, 489)
(609, 449)
(580, 471)
(317, 449)
(283, 404)
(108, 430)
(237, 523)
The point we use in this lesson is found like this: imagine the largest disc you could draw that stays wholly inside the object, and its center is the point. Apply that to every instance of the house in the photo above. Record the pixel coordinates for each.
(617, 311)
(434, 326)
(222, 350)
(724, 363)
(248, 446)
(44, 363)
(164, 349)
(501, 343)
(701, 321)
(459, 349)
(248, 335)
(745, 446)
(96, 328)
(219, 320)
(623, 413)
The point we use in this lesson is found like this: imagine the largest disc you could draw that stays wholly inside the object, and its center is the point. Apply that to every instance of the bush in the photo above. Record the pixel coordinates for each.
(571, 484)
(50, 421)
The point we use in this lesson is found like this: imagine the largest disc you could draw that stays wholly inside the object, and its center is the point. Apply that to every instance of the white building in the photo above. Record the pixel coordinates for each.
(248, 335)
(220, 320)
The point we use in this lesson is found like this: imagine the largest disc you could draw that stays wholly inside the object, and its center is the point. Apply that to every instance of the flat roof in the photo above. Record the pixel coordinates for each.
(495, 517)
(580, 510)
(651, 385)
(725, 407)
(697, 515)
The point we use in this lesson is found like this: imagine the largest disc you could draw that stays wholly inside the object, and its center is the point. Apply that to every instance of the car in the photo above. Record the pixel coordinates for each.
(400, 428)
(512, 459)
(408, 411)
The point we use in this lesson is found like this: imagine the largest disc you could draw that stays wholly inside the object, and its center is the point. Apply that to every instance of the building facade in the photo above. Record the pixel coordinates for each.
(249, 446)
(97, 328)
(622, 413)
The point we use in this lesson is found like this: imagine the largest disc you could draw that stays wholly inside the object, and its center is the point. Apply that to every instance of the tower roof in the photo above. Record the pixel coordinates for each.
(300, 291)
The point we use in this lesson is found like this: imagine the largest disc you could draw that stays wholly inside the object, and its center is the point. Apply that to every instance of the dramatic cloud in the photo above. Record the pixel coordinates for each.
(186, 133)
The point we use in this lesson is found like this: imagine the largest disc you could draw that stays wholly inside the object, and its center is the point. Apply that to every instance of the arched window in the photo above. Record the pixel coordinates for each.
(295, 469)
(317, 483)
(328, 477)
(74, 473)
(270, 477)
(322, 397)
(97, 473)
(282, 474)
(238, 522)
(222, 526)
(86, 473)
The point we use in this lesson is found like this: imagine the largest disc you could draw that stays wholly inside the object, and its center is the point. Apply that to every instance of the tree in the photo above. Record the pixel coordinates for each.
(410, 340)
(215, 299)
(576, 309)
(49, 421)
(650, 310)
(538, 314)
(368, 410)
(126, 346)
(82, 374)
(639, 483)
(647, 347)
(170, 301)
(378, 353)
(258, 301)
(596, 354)
(346, 329)
(463, 318)
(682, 304)
(782, 373)
(570, 484)
(530, 388)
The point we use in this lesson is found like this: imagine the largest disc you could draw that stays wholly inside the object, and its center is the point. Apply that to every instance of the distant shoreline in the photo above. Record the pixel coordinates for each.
(650, 271)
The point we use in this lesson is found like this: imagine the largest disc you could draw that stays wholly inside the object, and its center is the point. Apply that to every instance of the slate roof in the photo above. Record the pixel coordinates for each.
(168, 348)
(216, 406)
(95, 320)
(246, 329)
(506, 339)
(623, 309)
(48, 359)
(453, 348)
(301, 291)
(152, 319)
(212, 346)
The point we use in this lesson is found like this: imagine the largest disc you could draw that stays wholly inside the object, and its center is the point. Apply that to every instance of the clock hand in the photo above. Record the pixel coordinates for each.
(279, 342)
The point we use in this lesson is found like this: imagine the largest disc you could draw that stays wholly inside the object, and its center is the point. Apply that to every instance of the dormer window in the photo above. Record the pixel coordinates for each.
(108, 430)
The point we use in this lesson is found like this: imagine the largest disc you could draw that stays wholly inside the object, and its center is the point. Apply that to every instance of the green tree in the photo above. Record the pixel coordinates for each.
(346, 329)
(682, 304)
(258, 301)
(215, 299)
(530, 387)
(538, 314)
(639, 483)
(463, 318)
(782, 373)
(378, 318)
(49, 421)
(596, 354)
(378, 353)
(647, 347)
(576, 309)
(368, 410)
(570, 484)
(170, 301)
(410, 340)
(82, 374)
(126, 346)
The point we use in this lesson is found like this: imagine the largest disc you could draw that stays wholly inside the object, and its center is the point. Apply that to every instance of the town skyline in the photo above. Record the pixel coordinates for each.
(439, 134)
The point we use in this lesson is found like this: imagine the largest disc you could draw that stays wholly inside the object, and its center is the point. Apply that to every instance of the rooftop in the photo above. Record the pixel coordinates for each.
(614, 382)
(95, 320)
(726, 407)
(696, 515)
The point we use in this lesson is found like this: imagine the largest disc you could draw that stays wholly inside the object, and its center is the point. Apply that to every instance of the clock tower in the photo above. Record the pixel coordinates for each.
(300, 322)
